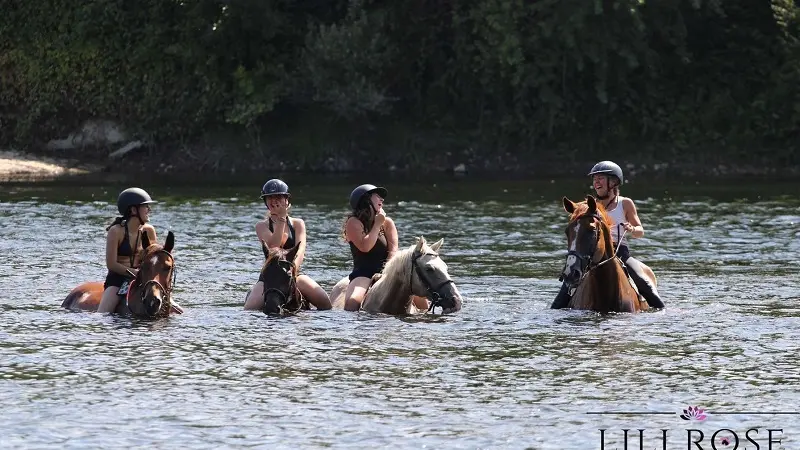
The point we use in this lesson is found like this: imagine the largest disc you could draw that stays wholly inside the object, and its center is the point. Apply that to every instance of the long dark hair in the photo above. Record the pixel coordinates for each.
(365, 213)
(120, 219)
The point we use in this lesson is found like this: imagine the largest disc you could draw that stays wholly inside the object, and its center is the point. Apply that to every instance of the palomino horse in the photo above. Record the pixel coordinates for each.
(592, 270)
(417, 270)
(279, 274)
(150, 292)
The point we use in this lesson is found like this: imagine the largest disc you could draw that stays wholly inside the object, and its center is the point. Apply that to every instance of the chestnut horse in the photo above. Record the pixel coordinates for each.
(594, 275)
(279, 274)
(150, 292)
(417, 270)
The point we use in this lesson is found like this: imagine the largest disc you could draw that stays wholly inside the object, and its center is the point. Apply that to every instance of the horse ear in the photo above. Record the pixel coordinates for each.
(569, 206)
(264, 248)
(292, 254)
(145, 240)
(420, 244)
(592, 204)
(437, 245)
(170, 244)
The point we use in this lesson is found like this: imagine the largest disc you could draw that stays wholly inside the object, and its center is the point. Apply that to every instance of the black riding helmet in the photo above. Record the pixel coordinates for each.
(275, 187)
(132, 197)
(364, 190)
(607, 168)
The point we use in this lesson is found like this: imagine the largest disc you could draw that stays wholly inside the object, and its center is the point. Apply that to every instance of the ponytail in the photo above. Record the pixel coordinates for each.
(117, 221)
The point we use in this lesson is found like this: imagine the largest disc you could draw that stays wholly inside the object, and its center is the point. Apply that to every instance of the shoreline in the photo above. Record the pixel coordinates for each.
(29, 167)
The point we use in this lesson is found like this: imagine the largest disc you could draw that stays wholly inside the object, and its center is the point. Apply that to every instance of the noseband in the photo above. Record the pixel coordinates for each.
(167, 291)
(586, 260)
(294, 294)
(433, 296)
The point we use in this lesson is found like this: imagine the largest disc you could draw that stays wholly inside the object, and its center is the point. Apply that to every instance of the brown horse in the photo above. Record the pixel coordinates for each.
(417, 270)
(279, 274)
(592, 270)
(150, 292)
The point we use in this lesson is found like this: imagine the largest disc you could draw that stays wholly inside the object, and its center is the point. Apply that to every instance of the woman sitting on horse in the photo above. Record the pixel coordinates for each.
(607, 178)
(278, 230)
(124, 243)
(372, 237)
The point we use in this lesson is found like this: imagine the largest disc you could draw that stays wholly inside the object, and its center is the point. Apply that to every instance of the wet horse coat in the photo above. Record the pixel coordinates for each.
(279, 275)
(592, 269)
(149, 293)
(417, 270)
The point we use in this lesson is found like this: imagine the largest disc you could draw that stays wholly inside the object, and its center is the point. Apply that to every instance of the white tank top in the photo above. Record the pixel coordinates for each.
(617, 215)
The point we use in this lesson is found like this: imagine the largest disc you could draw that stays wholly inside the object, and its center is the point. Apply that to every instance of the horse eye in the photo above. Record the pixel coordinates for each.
(429, 269)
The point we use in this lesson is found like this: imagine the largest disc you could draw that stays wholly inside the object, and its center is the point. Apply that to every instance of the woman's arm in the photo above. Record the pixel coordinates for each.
(390, 230)
(634, 225)
(272, 238)
(355, 233)
(299, 236)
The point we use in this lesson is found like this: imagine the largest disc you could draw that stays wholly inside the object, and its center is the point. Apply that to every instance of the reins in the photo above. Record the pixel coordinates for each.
(433, 296)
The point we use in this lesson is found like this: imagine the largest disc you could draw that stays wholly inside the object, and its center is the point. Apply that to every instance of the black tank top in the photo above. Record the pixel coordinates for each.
(374, 258)
(290, 240)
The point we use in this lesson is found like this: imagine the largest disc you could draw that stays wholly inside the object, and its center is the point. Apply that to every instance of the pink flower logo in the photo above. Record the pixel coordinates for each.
(693, 413)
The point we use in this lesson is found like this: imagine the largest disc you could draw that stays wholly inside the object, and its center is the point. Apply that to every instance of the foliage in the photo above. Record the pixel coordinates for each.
(515, 75)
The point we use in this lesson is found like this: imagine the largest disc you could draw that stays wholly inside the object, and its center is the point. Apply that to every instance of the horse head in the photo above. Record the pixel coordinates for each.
(588, 238)
(151, 290)
(279, 275)
(429, 277)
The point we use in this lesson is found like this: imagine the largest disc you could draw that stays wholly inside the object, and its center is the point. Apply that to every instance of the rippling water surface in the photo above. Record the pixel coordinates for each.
(505, 372)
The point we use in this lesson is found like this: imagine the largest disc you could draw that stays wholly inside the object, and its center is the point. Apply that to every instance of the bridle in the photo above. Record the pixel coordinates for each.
(433, 294)
(294, 293)
(167, 290)
(587, 263)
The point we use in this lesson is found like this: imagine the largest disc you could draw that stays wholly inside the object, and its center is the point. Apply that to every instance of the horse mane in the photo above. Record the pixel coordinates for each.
(582, 208)
(277, 253)
(400, 265)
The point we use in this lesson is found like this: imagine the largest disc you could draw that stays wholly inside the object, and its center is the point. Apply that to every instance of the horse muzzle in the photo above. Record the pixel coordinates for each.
(571, 276)
(152, 305)
(450, 301)
(275, 302)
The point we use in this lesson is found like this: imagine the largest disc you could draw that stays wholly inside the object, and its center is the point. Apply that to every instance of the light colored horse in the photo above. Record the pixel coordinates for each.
(417, 270)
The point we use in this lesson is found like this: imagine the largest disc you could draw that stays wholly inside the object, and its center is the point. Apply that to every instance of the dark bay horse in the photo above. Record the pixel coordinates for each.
(150, 292)
(417, 270)
(279, 275)
(593, 273)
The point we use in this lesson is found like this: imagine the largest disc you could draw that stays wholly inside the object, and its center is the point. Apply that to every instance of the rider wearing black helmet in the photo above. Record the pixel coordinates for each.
(607, 177)
(278, 230)
(372, 237)
(123, 244)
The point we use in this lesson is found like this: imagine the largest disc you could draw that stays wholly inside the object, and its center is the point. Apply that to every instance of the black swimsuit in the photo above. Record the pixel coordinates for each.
(290, 240)
(369, 263)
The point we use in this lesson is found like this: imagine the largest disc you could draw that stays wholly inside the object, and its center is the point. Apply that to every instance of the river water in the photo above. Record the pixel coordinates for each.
(505, 372)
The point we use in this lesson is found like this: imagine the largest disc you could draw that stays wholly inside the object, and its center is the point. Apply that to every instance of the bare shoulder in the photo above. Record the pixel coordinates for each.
(628, 204)
(298, 224)
(150, 230)
(115, 232)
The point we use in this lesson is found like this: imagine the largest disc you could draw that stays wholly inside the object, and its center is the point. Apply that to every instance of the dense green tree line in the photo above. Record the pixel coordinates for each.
(521, 74)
